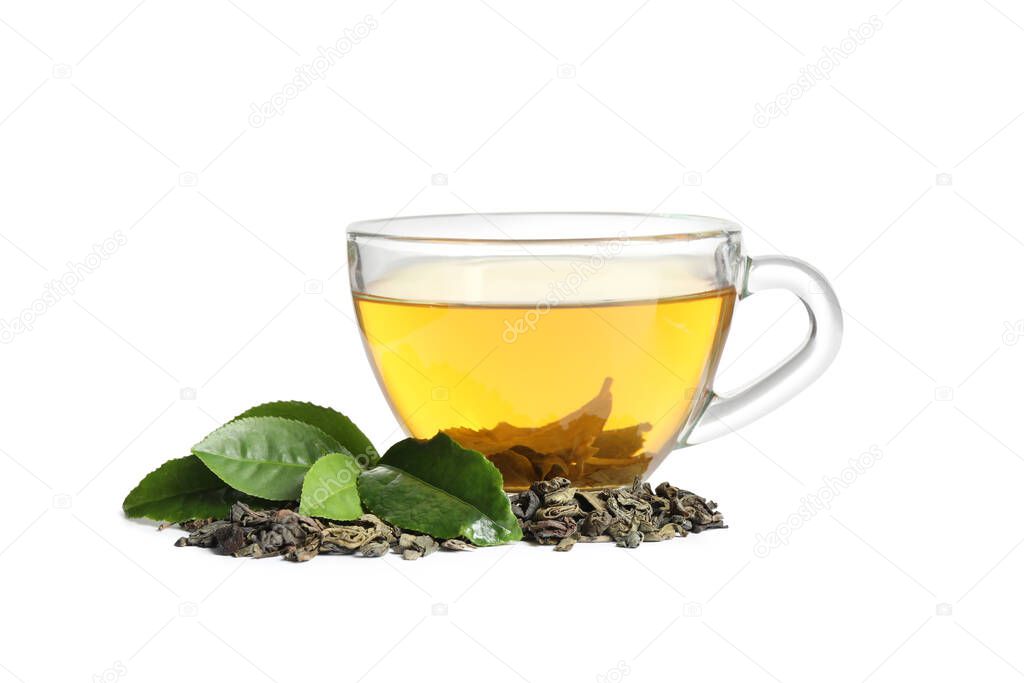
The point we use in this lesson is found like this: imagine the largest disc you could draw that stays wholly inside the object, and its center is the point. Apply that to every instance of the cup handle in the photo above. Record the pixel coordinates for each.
(724, 414)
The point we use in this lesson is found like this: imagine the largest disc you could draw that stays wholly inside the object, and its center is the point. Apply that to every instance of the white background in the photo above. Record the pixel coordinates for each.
(135, 118)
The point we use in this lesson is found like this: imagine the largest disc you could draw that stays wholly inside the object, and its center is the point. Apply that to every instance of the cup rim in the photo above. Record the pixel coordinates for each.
(424, 228)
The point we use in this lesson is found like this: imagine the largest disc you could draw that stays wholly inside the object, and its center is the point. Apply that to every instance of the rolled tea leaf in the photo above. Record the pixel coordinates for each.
(437, 487)
(329, 489)
(265, 456)
(329, 420)
(182, 489)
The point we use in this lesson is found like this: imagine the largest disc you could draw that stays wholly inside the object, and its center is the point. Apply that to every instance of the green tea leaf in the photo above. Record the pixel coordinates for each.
(329, 489)
(437, 487)
(265, 456)
(329, 420)
(181, 489)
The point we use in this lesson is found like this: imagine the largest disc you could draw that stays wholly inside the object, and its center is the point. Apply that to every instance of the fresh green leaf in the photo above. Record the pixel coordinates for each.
(329, 420)
(265, 456)
(329, 489)
(181, 489)
(437, 487)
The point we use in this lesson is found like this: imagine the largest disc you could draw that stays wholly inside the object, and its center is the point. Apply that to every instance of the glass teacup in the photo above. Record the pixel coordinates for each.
(581, 345)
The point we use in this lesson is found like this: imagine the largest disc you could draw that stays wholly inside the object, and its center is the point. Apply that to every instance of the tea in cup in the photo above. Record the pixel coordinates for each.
(578, 345)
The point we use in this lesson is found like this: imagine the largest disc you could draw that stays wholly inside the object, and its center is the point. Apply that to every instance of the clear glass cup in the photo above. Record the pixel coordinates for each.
(581, 345)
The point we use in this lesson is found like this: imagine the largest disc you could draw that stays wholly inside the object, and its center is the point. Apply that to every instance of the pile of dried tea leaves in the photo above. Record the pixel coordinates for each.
(555, 513)
(550, 512)
(297, 537)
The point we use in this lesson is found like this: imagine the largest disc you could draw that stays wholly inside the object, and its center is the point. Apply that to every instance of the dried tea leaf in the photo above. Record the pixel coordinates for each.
(557, 511)
(632, 537)
(230, 538)
(348, 536)
(596, 523)
(525, 504)
(666, 532)
(456, 544)
(204, 536)
(566, 544)
(365, 536)
(302, 554)
(193, 524)
(414, 547)
(590, 500)
(374, 549)
(550, 531)
(563, 495)
(544, 488)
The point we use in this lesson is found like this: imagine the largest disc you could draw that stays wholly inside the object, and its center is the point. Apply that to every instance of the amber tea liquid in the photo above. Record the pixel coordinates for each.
(594, 392)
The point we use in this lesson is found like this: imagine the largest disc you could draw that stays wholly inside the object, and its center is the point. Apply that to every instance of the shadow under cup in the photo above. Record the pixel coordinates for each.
(572, 345)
